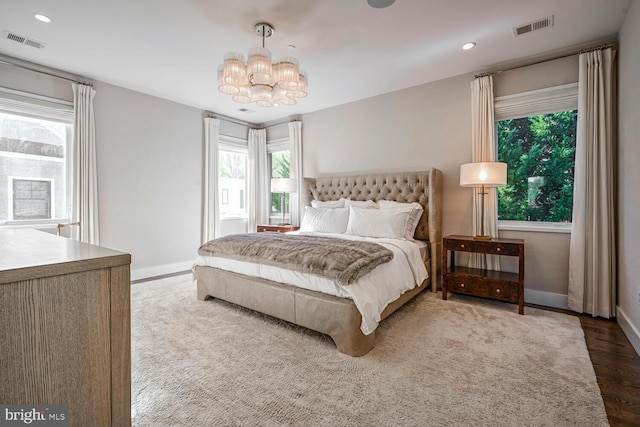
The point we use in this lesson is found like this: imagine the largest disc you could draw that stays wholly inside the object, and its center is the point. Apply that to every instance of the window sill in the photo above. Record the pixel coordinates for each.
(38, 224)
(539, 227)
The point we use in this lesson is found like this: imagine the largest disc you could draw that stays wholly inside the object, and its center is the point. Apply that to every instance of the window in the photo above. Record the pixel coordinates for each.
(31, 199)
(536, 138)
(279, 163)
(34, 136)
(233, 182)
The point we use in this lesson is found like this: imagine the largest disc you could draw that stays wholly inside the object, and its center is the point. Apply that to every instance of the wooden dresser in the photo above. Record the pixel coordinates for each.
(65, 327)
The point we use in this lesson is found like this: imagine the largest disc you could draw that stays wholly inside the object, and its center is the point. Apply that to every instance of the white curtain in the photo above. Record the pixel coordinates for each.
(295, 168)
(592, 259)
(211, 202)
(83, 175)
(259, 180)
(483, 149)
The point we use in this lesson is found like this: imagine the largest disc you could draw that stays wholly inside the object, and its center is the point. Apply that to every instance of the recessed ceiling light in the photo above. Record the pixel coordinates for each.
(379, 4)
(469, 45)
(42, 18)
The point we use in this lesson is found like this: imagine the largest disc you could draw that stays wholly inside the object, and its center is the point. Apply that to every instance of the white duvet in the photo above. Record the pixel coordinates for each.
(371, 293)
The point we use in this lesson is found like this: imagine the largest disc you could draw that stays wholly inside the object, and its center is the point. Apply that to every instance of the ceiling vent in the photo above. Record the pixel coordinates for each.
(9, 35)
(246, 110)
(540, 24)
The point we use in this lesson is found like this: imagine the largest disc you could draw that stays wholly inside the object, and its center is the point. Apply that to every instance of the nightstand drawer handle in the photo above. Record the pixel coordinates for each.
(498, 290)
(498, 249)
(462, 246)
(462, 285)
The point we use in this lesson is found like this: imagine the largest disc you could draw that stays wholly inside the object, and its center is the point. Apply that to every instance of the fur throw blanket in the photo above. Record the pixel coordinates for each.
(341, 260)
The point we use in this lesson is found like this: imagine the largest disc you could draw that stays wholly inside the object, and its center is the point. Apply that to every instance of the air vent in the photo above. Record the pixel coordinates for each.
(246, 110)
(533, 26)
(9, 35)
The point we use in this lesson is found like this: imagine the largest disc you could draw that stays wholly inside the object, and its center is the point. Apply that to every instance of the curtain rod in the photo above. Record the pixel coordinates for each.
(566, 55)
(211, 115)
(24, 67)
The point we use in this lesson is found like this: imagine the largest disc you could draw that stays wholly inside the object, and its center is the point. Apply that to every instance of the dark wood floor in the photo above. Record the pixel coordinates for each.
(617, 367)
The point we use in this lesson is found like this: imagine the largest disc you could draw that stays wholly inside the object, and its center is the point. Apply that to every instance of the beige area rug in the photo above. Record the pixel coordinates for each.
(462, 362)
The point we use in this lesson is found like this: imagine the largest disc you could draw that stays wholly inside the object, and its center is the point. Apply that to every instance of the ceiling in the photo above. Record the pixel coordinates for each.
(172, 48)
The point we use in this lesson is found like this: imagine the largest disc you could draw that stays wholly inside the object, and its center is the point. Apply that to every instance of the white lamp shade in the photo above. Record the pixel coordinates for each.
(489, 174)
(284, 185)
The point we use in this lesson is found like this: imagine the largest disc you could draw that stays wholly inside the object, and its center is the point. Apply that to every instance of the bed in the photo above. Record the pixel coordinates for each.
(336, 316)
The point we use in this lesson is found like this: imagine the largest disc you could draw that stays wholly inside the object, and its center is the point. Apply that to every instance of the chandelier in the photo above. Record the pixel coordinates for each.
(260, 81)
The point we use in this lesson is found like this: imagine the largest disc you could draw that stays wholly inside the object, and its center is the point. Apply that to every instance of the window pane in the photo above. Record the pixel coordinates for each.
(32, 168)
(279, 163)
(233, 172)
(31, 199)
(540, 155)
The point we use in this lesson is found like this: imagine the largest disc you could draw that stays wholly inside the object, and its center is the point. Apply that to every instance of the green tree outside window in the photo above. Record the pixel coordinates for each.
(280, 168)
(540, 155)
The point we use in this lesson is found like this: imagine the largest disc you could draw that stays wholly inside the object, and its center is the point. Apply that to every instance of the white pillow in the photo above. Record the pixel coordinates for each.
(328, 204)
(414, 218)
(378, 222)
(364, 204)
(325, 220)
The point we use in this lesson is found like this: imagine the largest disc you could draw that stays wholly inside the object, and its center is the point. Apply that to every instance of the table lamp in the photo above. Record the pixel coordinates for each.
(482, 175)
(283, 185)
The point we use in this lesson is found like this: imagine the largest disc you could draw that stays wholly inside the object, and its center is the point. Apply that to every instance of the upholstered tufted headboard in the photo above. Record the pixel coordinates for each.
(424, 187)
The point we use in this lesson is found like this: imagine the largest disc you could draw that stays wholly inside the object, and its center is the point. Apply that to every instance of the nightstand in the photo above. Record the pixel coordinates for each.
(277, 228)
(498, 285)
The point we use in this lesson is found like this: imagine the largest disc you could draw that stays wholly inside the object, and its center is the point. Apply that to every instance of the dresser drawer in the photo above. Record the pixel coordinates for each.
(481, 287)
(479, 246)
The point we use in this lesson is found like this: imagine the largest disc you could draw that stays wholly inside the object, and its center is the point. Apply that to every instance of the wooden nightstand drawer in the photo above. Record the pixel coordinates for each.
(483, 287)
(276, 228)
(479, 246)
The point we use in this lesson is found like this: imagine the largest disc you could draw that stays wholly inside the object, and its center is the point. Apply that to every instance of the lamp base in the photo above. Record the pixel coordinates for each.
(485, 238)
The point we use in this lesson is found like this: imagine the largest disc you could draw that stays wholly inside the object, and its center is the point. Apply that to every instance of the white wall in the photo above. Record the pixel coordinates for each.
(430, 126)
(409, 130)
(149, 178)
(629, 177)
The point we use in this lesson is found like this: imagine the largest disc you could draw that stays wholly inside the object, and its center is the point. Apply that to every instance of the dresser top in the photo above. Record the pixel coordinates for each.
(492, 240)
(27, 254)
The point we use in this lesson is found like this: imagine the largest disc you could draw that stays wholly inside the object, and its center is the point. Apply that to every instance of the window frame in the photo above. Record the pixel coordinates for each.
(526, 104)
(35, 106)
(11, 179)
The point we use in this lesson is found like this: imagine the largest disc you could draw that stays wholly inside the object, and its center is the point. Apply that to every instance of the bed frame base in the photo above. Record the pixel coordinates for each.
(337, 317)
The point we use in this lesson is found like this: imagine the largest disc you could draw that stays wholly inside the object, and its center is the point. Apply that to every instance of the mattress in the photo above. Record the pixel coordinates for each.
(371, 293)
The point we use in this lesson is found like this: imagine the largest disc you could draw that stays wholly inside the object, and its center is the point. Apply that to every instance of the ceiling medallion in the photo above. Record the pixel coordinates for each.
(258, 79)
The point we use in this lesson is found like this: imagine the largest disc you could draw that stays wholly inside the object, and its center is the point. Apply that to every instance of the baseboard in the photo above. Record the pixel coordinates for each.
(629, 330)
(160, 270)
(547, 299)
